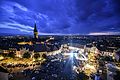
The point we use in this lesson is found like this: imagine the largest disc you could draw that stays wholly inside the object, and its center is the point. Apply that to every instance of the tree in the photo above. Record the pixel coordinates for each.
(11, 54)
(36, 56)
(26, 55)
(44, 56)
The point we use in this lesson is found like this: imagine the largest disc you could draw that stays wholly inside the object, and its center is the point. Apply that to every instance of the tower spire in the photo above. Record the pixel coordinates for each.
(35, 31)
(35, 28)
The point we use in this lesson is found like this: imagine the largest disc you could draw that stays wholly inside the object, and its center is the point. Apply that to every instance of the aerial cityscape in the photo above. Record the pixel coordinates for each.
(59, 40)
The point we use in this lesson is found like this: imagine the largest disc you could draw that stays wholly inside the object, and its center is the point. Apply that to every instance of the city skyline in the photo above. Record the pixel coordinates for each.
(97, 17)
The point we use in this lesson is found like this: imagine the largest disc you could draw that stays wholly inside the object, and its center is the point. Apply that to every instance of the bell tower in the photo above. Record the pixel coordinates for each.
(35, 32)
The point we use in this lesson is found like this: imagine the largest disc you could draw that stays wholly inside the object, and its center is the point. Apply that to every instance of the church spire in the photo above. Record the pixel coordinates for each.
(35, 31)
(35, 28)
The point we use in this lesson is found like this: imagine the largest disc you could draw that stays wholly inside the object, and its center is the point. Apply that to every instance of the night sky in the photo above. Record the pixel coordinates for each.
(93, 17)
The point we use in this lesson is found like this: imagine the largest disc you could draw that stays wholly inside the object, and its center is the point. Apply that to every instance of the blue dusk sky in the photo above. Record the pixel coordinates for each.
(89, 17)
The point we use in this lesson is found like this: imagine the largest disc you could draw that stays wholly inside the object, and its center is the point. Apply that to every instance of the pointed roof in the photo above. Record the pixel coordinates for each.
(35, 28)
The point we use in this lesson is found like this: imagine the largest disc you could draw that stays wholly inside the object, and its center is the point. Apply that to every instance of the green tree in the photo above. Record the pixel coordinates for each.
(26, 55)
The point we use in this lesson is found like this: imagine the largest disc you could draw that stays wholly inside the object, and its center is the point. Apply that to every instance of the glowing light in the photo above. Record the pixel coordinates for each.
(74, 67)
(1, 57)
(71, 55)
(87, 66)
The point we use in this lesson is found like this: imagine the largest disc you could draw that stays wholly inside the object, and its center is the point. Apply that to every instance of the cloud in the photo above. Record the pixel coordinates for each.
(20, 18)
(9, 6)
(104, 33)
(62, 16)
(19, 27)
(20, 7)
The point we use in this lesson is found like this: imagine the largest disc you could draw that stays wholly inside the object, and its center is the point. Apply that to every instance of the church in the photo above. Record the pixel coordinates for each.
(38, 45)
(35, 32)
